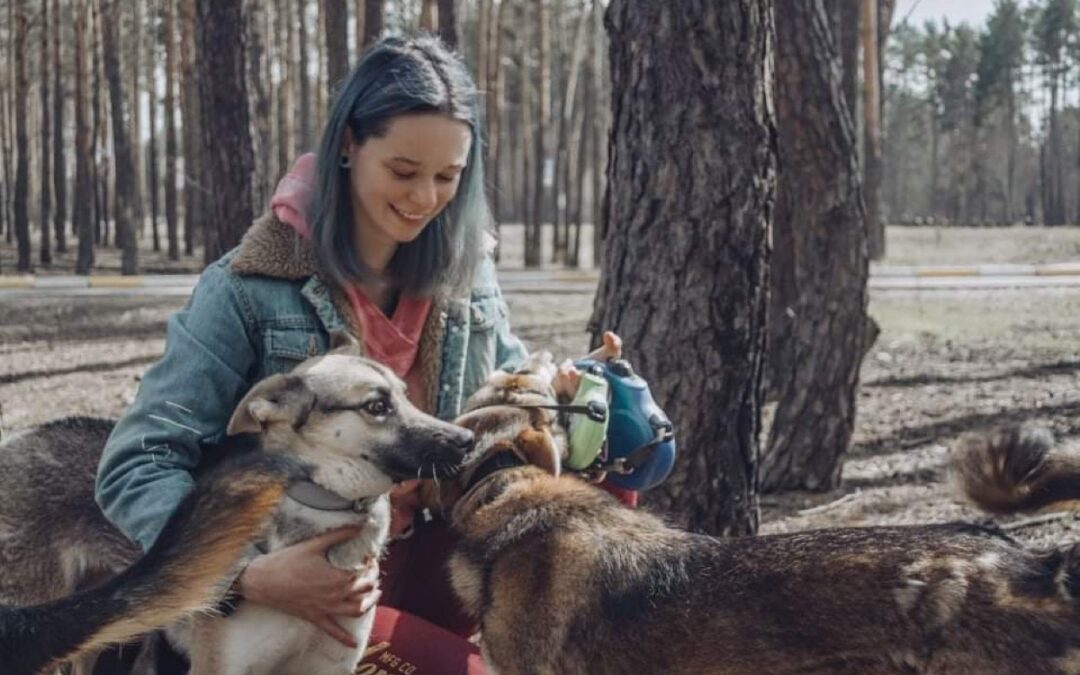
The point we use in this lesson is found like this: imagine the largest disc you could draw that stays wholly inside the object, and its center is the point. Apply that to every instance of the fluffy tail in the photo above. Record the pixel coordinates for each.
(181, 573)
(1012, 469)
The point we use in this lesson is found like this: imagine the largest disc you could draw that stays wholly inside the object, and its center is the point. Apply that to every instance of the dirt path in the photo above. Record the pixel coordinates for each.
(946, 363)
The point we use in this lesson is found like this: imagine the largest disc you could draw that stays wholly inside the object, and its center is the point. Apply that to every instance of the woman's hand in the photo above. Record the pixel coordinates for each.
(568, 378)
(299, 581)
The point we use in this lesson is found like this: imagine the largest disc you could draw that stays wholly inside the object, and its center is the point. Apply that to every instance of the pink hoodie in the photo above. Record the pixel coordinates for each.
(392, 341)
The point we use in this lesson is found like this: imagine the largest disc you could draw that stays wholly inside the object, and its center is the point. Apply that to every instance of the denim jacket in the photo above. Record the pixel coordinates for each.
(260, 310)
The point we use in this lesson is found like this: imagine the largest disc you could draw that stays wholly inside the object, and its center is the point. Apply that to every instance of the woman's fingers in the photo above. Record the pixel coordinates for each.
(324, 542)
(611, 348)
(334, 630)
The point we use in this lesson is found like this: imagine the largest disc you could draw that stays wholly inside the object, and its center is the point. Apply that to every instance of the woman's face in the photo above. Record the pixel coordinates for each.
(401, 180)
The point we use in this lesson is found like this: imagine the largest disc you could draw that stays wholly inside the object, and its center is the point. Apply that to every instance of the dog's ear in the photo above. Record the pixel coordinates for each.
(278, 398)
(343, 342)
(538, 447)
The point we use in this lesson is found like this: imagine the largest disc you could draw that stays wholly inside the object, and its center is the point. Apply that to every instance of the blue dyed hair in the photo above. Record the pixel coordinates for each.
(402, 76)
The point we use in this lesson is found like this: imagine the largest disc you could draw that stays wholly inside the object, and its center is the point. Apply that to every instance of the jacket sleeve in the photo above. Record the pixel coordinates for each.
(184, 401)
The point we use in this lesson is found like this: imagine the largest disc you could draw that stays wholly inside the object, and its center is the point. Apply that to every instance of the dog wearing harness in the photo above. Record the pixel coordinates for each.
(563, 579)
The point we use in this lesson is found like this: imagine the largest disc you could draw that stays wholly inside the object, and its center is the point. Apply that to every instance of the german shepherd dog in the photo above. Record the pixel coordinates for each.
(565, 580)
(345, 418)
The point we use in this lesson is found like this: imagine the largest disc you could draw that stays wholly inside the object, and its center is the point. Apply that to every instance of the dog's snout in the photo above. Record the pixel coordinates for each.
(458, 439)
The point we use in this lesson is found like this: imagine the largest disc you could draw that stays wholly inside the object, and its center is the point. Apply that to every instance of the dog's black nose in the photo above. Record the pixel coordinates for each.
(459, 439)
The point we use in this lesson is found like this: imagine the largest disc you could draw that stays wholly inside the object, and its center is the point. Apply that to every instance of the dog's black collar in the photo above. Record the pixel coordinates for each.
(317, 497)
(497, 462)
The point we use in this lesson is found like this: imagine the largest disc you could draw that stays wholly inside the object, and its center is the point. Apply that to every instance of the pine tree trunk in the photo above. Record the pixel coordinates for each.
(286, 142)
(22, 141)
(427, 15)
(45, 210)
(448, 23)
(152, 183)
(483, 44)
(124, 202)
(100, 171)
(303, 141)
(256, 25)
(196, 184)
(81, 203)
(819, 264)
(565, 142)
(135, 118)
(600, 138)
(336, 15)
(496, 104)
(171, 202)
(875, 228)
(226, 135)
(373, 22)
(526, 137)
(845, 29)
(685, 274)
(534, 252)
(59, 180)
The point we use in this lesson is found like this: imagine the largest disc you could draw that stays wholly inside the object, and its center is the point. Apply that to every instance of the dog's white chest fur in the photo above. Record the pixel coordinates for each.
(258, 640)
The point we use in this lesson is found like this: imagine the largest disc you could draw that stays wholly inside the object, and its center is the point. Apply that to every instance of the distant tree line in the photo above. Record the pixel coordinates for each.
(982, 124)
(104, 142)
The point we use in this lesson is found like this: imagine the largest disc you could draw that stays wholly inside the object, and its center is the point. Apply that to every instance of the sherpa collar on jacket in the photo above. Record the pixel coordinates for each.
(272, 248)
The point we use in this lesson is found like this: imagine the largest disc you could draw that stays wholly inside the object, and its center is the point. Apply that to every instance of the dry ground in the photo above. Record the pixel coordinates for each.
(946, 362)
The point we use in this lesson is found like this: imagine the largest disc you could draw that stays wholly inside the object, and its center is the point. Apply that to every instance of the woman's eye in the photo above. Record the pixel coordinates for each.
(445, 179)
(401, 175)
(378, 407)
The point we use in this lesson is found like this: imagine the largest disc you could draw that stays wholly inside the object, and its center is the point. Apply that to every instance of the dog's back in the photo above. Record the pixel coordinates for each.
(180, 574)
(566, 580)
(54, 540)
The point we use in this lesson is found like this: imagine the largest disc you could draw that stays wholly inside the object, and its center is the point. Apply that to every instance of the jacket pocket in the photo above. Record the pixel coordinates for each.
(482, 350)
(286, 346)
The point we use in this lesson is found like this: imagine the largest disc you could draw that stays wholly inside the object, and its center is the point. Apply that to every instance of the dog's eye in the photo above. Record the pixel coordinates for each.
(379, 407)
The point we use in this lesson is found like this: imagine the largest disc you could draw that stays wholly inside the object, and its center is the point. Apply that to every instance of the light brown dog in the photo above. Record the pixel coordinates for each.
(564, 580)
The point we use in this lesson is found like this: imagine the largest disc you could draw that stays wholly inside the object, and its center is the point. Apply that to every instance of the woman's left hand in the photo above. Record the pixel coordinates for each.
(568, 378)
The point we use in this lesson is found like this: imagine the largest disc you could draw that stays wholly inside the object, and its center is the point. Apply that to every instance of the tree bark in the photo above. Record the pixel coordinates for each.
(255, 17)
(336, 15)
(283, 23)
(428, 19)
(124, 172)
(135, 118)
(566, 129)
(82, 216)
(373, 22)
(496, 104)
(46, 132)
(59, 179)
(22, 141)
(875, 228)
(819, 264)
(196, 186)
(534, 252)
(845, 30)
(152, 183)
(171, 201)
(303, 141)
(226, 135)
(448, 23)
(691, 191)
(600, 138)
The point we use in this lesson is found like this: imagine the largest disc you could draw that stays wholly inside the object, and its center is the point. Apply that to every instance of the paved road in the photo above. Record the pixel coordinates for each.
(574, 281)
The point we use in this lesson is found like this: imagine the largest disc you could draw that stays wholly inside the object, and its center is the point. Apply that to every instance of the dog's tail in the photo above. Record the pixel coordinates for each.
(1012, 469)
(183, 572)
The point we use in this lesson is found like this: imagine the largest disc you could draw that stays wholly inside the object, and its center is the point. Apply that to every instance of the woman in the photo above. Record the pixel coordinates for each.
(385, 239)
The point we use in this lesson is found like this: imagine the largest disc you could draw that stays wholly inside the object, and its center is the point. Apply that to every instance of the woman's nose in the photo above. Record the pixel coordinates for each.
(424, 195)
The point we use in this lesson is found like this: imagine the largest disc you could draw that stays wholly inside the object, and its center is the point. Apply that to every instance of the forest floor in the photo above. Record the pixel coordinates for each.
(946, 362)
